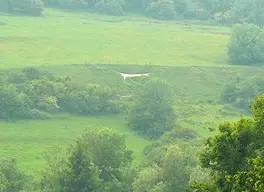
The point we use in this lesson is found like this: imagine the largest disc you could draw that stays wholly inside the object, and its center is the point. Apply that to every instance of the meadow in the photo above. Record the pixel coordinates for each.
(69, 38)
(28, 141)
(190, 57)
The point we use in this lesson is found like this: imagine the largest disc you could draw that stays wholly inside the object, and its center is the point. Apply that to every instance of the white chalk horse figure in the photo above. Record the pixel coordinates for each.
(125, 75)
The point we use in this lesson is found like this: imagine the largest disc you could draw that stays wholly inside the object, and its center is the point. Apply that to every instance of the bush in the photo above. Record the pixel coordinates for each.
(110, 7)
(162, 9)
(247, 45)
(153, 114)
(29, 7)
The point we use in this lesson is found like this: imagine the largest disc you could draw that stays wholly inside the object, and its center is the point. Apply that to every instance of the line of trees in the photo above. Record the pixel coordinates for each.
(223, 11)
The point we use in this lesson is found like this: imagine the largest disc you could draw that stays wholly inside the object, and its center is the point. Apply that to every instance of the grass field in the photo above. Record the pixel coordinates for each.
(190, 57)
(28, 140)
(69, 38)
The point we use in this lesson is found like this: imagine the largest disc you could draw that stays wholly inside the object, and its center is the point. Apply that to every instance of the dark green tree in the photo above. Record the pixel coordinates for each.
(11, 177)
(153, 113)
(98, 161)
(246, 45)
(235, 154)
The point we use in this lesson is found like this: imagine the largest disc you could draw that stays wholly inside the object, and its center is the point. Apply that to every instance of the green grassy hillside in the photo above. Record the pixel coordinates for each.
(28, 140)
(70, 38)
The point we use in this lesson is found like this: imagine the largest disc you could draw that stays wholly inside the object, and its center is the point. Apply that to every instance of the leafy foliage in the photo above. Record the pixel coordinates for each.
(36, 94)
(162, 9)
(98, 161)
(235, 154)
(111, 7)
(31, 7)
(11, 178)
(247, 45)
(152, 115)
(241, 92)
(168, 167)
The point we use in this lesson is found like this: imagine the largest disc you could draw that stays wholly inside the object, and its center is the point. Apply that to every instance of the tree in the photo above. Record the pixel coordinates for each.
(246, 45)
(12, 104)
(98, 161)
(235, 154)
(168, 168)
(11, 178)
(30, 7)
(248, 11)
(149, 180)
(111, 7)
(162, 9)
(153, 114)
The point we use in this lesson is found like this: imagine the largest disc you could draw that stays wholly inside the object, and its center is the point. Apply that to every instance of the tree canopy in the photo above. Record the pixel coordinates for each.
(235, 154)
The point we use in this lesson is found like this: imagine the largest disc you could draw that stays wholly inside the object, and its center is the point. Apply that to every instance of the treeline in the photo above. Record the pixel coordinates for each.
(223, 11)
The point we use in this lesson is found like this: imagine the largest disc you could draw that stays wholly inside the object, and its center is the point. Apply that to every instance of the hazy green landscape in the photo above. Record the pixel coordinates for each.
(191, 56)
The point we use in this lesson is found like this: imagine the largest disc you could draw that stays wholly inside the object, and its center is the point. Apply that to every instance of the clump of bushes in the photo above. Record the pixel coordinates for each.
(35, 94)
(247, 45)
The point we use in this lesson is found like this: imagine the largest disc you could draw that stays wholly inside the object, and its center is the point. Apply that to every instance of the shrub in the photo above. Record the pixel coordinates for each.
(162, 9)
(247, 45)
(30, 7)
(110, 7)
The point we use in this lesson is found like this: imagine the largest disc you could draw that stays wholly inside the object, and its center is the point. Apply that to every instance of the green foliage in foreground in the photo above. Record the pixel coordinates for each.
(98, 161)
(247, 44)
(235, 154)
(11, 177)
(153, 113)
